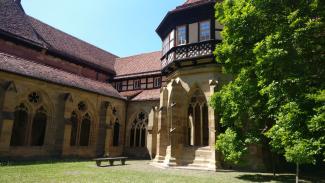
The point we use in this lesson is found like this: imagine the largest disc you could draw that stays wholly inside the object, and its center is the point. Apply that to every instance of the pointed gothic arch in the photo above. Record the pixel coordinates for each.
(116, 133)
(198, 117)
(19, 130)
(39, 127)
(138, 130)
(84, 139)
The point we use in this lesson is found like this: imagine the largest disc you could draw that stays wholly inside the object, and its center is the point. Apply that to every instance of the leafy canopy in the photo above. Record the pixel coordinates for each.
(275, 52)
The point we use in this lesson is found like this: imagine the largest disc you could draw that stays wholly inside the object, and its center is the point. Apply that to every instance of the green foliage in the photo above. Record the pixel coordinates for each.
(275, 51)
(231, 146)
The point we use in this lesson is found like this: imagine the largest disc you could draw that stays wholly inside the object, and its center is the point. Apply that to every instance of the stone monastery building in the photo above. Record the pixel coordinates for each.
(62, 97)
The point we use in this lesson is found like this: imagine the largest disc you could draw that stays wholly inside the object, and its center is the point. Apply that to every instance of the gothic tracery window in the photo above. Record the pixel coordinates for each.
(116, 133)
(139, 130)
(85, 130)
(198, 126)
(74, 128)
(82, 106)
(34, 97)
(18, 134)
(39, 127)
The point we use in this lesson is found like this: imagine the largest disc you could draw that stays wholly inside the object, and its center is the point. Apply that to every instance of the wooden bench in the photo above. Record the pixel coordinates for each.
(110, 160)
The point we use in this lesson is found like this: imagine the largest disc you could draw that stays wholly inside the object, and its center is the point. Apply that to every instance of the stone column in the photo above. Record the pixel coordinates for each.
(215, 162)
(162, 139)
(108, 140)
(67, 138)
(8, 94)
(201, 125)
(5, 135)
(152, 133)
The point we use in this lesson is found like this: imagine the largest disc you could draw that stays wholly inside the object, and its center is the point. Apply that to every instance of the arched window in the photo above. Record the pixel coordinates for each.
(116, 133)
(139, 130)
(85, 130)
(18, 134)
(198, 117)
(39, 127)
(74, 128)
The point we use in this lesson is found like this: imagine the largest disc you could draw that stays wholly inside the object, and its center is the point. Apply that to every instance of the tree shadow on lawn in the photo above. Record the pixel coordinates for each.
(278, 178)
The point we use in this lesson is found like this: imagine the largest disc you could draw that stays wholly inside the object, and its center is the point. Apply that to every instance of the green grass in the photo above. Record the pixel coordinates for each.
(134, 171)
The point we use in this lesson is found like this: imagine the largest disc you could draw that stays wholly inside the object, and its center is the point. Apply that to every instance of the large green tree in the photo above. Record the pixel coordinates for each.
(275, 51)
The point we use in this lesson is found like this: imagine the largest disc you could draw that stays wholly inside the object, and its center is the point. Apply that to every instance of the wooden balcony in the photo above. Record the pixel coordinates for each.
(188, 52)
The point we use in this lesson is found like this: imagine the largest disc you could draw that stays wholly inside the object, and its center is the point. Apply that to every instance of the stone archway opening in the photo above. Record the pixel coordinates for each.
(198, 122)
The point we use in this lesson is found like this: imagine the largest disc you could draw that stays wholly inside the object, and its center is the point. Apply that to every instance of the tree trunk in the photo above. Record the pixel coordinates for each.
(273, 163)
(297, 173)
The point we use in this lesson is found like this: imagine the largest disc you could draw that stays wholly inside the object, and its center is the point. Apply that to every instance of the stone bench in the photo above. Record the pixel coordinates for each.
(110, 160)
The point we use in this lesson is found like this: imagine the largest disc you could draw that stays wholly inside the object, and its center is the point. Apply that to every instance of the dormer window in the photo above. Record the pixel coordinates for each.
(137, 84)
(205, 33)
(181, 35)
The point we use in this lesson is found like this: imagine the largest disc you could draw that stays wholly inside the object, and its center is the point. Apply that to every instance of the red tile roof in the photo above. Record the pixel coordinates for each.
(142, 95)
(192, 3)
(130, 94)
(71, 46)
(27, 68)
(138, 65)
(146, 95)
(15, 23)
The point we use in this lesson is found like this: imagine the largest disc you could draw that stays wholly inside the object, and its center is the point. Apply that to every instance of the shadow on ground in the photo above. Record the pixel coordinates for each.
(278, 178)
(39, 162)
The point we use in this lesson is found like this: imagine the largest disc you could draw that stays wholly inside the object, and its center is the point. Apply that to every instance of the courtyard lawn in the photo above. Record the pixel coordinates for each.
(134, 171)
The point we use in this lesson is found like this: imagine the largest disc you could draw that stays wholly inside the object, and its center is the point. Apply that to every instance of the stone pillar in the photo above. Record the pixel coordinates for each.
(66, 138)
(162, 139)
(108, 140)
(9, 97)
(5, 135)
(152, 133)
(215, 160)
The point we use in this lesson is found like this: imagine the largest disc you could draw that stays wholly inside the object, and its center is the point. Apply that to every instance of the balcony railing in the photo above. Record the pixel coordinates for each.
(188, 51)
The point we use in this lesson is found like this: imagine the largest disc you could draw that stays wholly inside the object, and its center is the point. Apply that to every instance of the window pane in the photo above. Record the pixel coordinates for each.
(166, 45)
(205, 31)
(171, 39)
(181, 35)
(137, 84)
(157, 82)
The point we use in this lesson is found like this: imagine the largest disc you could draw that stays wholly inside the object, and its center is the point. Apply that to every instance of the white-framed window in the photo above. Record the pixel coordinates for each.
(137, 84)
(205, 31)
(157, 82)
(181, 35)
(118, 86)
(166, 45)
(168, 42)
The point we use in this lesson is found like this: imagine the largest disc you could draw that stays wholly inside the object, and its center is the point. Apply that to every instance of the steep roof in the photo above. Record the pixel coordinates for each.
(192, 3)
(138, 65)
(15, 23)
(72, 46)
(12, 64)
(142, 95)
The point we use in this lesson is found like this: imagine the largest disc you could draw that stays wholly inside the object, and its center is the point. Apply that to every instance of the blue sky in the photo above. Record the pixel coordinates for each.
(122, 27)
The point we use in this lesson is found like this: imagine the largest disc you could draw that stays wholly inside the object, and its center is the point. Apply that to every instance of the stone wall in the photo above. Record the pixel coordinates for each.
(134, 108)
(59, 102)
